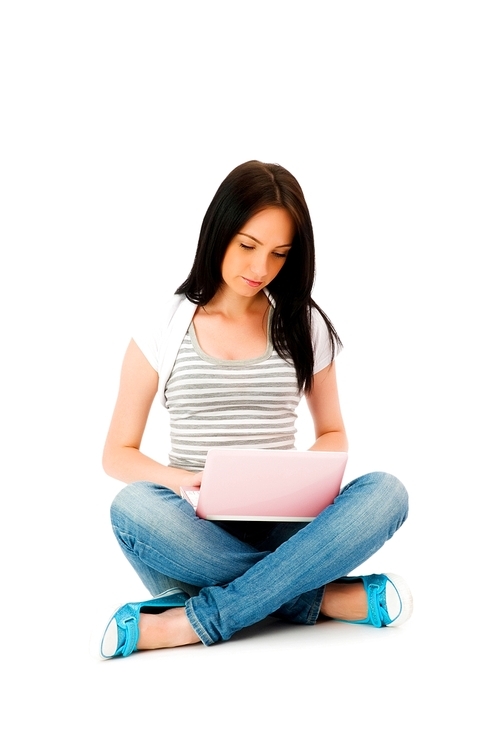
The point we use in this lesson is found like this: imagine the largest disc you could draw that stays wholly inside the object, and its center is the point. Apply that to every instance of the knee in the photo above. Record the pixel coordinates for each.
(126, 498)
(132, 499)
(144, 507)
(382, 496)
(390, 495)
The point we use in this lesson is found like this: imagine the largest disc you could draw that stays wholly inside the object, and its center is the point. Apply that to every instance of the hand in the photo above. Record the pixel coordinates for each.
(195, 479)
(186, 478)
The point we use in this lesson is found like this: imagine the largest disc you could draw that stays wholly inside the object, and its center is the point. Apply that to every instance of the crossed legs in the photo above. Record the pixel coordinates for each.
(235, 581)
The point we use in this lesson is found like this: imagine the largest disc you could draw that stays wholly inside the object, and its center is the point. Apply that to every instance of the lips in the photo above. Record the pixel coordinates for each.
(252, 283)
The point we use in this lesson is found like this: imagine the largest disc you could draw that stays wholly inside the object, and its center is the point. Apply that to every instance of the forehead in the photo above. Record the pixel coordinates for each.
(273, 224)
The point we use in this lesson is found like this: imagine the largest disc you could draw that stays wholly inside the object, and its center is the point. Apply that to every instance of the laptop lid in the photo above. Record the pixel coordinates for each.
(280, 485)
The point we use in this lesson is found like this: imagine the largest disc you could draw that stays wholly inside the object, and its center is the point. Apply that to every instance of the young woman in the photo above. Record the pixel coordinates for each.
(240, 343)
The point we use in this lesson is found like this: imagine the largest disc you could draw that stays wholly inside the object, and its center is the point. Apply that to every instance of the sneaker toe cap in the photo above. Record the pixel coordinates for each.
(398, 598)
(109, 642)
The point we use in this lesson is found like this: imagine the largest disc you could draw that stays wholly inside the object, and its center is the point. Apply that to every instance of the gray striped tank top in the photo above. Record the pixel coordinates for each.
(214, 402)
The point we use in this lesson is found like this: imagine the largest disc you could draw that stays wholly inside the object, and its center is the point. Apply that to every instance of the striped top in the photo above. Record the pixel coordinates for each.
(214, 402)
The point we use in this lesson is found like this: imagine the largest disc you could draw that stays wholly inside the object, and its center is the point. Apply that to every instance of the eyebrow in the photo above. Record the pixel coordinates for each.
(283, 245)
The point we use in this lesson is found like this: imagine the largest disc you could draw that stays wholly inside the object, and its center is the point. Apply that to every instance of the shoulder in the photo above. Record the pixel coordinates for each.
(165, 314)
(159, 326)
(178, 317)
(319, 327)
(160, 337)
(179, 301)
(166, 311)
(321, 340)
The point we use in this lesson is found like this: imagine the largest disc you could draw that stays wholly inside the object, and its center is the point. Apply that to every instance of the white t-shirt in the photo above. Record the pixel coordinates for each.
(160, 344)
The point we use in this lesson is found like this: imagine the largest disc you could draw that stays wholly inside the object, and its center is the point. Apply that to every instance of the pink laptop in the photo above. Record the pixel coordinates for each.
(281, 485)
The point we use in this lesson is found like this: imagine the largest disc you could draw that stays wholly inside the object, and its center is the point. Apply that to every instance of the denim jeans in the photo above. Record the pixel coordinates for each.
(239, 573)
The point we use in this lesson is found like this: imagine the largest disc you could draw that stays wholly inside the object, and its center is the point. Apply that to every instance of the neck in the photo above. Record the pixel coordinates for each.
(234, 306)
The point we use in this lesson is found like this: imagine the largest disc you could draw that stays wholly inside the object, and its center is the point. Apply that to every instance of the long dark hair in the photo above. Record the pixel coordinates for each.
(248, 189)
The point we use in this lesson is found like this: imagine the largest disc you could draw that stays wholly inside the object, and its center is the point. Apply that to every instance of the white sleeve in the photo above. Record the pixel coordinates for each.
(161, 342)
(322, 347)
(150, 331)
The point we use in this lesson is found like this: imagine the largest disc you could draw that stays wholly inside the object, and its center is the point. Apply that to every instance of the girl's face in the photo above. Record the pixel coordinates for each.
(258, 252)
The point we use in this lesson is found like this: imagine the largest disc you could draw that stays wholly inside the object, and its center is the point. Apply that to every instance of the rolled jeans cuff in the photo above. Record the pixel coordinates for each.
(304, 610)
(197, 626)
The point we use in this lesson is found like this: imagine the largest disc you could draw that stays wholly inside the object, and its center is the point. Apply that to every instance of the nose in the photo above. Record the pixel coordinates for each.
(258, 265)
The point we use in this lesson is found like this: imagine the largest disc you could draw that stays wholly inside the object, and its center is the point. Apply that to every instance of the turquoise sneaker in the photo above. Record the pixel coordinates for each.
(390, 602)
(122, 631)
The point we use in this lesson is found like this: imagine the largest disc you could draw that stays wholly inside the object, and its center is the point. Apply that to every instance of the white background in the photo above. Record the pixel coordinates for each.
(119, 121)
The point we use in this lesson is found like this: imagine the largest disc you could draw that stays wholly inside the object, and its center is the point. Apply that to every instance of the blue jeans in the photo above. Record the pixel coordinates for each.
(239, 573)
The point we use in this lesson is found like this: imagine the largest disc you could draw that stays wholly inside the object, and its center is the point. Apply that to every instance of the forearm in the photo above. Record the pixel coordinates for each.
(129, 464)
(331, 441)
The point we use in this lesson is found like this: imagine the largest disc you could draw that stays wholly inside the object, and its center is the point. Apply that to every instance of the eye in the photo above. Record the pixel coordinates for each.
(247, 248)
(279, 255)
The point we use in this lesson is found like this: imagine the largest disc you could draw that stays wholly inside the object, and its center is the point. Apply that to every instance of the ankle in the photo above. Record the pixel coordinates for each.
(345, 601)
(165, 630)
